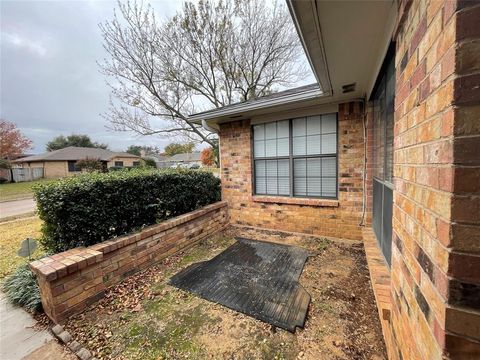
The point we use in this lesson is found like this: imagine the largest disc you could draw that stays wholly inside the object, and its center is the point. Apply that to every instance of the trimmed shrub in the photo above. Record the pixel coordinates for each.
(21, 289)
(92, 208)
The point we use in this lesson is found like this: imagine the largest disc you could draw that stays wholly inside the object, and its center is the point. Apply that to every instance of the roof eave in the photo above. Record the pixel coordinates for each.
(242, 108)
(312, 42)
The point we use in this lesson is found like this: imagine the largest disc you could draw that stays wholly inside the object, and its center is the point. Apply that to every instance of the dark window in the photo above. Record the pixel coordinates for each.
(119, 163)
(296, 157)
(383, 101)
(72, 166)
(136, 163)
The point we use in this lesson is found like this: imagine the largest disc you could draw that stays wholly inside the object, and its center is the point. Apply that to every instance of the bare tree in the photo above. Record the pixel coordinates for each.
(207, 56)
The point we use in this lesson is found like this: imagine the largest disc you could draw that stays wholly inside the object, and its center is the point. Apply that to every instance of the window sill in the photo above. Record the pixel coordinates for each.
(295, 201)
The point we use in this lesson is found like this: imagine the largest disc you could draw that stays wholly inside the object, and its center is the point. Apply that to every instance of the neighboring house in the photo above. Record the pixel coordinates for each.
(182, 160)
(384, 146)
(62, 163)
(159, 159)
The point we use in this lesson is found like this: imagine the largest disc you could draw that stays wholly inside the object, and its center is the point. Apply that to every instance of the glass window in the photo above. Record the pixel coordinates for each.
(384, 103)
(119, 163)
(72, 166)
(390, 109)
(302, 151)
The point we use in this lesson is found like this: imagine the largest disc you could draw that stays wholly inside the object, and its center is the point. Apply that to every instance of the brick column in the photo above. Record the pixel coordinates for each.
(436, 251)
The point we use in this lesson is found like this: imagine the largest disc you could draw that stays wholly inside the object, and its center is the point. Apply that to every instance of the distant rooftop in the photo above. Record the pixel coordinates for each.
(76, 153)
(186, 157)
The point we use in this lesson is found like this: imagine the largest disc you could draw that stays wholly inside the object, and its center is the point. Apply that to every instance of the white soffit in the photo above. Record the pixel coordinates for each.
(350, 40)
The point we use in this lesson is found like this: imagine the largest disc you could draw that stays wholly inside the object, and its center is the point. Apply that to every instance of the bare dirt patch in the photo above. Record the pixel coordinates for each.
(145, 318)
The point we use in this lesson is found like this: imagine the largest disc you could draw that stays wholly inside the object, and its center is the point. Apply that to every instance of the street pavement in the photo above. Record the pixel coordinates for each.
(16, 207)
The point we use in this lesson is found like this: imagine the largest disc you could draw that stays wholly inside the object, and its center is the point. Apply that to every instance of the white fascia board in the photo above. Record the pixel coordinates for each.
(304, 14)
(257, 104)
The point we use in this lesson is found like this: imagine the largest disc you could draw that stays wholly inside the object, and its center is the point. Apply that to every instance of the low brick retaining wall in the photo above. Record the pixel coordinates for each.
(72, 280)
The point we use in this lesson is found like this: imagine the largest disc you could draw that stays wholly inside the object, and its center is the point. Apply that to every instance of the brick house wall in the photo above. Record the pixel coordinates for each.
(436, 253)
(54, 169)
(336, 218)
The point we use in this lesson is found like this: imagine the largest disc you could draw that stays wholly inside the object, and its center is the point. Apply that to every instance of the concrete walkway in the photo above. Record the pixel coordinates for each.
(18, 339)
(16, 207)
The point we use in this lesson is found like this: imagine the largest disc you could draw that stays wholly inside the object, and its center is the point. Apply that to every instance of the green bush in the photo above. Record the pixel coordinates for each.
(21, 289)
(92, 208)
(149, 162)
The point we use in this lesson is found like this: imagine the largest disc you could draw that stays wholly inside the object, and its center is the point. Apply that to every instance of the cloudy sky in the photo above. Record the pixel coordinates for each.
(49, 81)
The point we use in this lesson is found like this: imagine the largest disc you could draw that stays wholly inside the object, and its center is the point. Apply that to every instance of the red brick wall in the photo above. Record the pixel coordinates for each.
(72, 280)
(321, 217)
(436, 217)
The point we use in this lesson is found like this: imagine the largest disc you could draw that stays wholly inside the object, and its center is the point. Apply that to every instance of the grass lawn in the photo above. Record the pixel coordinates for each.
(12, 233)
(146, 318)
(12, 191)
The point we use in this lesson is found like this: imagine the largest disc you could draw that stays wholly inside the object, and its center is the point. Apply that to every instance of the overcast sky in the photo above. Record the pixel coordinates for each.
(50, 83)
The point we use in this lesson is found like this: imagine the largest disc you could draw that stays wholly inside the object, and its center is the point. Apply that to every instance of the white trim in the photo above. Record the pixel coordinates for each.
(294, 113)
(257, 104)
(316, 52)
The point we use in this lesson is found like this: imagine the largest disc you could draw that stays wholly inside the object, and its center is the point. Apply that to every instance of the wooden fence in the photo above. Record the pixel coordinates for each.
(27, 174)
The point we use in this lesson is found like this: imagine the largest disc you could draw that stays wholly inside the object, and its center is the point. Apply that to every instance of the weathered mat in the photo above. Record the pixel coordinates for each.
(257, 278)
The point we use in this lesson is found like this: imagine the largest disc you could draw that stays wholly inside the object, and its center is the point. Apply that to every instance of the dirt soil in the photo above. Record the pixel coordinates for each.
(145, 318)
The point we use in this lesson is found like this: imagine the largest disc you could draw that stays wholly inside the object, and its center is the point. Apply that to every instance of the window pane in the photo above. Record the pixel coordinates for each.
(270, 148)
(314, 186)
(300, 167)
(284, 186)
(283, 147)
(260, 185)
(259, 132)
(329, 166)
(272, 177)
(259, 148)
(313, 125)
(313, 145)
(272, 186)
(299, 145)
(283, 168)
(260, 168)
(300, 186)
(271, 130)
(313, 167)
(271, 168)
(329, 144)
(329, 123)
(379, 131)
(390, 109)
(329, 187)
(299, 127)
(282, 129)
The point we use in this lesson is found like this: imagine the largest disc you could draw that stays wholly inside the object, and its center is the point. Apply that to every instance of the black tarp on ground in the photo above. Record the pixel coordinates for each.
(256, 278)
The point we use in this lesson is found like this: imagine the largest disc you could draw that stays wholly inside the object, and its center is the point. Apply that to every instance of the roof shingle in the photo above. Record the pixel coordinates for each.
(76, 153)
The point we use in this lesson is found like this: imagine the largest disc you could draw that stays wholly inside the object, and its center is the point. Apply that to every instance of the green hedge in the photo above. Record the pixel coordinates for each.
(91, 208)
